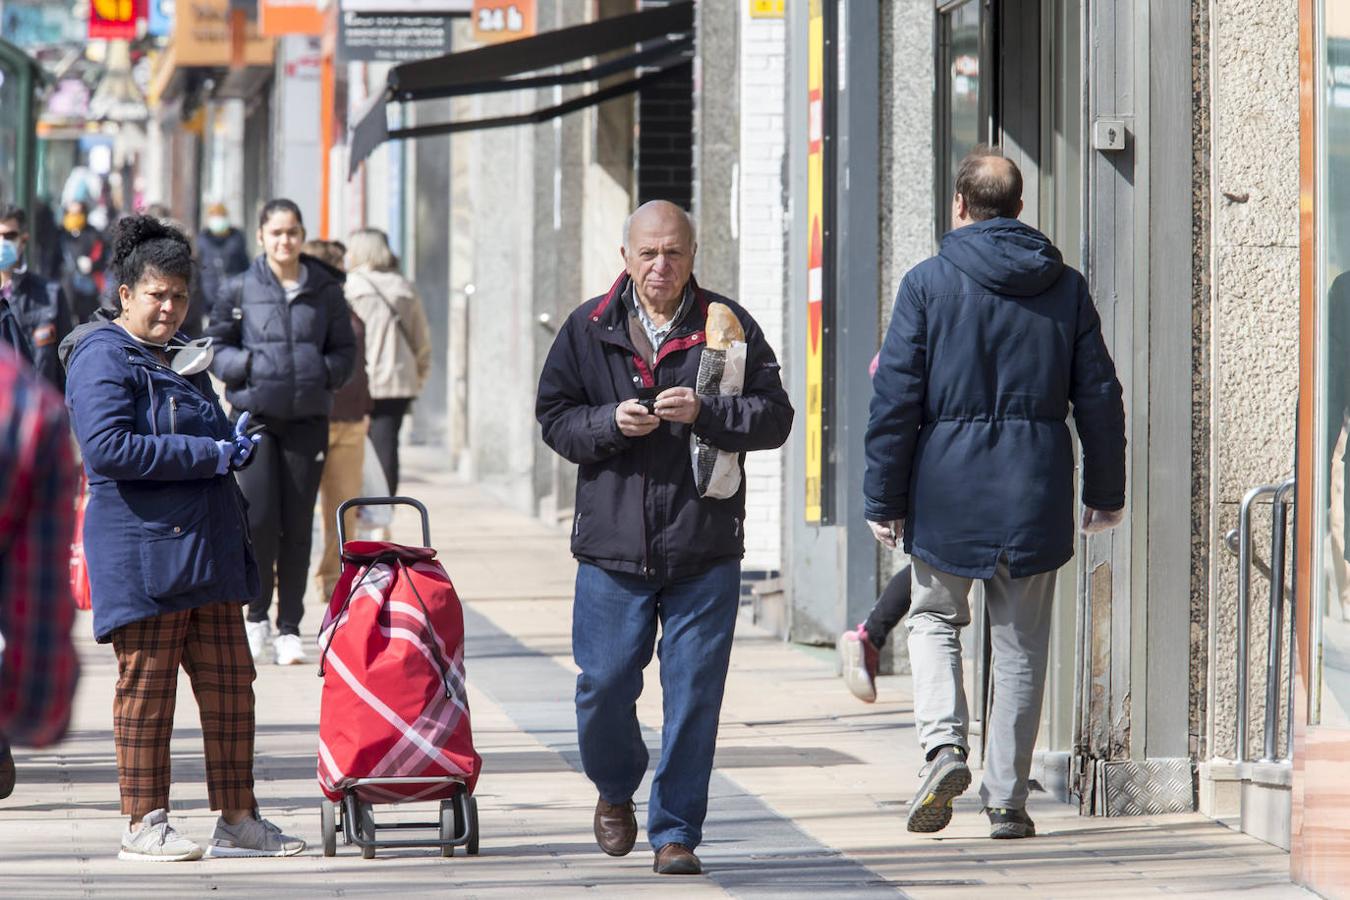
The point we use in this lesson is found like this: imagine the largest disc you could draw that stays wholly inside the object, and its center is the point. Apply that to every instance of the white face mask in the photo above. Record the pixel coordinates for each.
(191, 357)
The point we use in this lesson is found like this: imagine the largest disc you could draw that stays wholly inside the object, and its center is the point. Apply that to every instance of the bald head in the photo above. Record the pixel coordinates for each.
(660, 212)
(658, 252)
(988, 185)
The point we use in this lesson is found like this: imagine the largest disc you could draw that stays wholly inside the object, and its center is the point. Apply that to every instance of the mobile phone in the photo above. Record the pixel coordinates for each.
(647, 397)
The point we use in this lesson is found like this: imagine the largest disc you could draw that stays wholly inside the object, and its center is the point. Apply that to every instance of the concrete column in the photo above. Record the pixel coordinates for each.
(717, 141)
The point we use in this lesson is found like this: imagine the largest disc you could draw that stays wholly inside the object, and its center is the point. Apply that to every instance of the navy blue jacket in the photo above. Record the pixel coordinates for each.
(637, 509)
(222, 257)
(283, 360)
(45, 316)
(989, 344)
(162, 531)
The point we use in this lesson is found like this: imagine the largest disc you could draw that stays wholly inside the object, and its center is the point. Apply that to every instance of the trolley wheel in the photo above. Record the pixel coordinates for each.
(466, 821)
(328, 821)
(448, 829)
(366, 825)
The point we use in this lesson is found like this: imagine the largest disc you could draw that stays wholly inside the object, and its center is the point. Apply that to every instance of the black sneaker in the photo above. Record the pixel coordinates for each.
(1005, 824)
(946, 778)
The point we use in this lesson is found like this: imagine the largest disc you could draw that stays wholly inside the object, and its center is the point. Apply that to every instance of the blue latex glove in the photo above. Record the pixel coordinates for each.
(243, 444)
(226, 449)
(243, 449)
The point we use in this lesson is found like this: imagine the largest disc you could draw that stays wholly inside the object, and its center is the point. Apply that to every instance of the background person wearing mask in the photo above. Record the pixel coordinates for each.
(167, 548)
(283, 345)
(222, 252)
(346, 441)
(82, 261)
(39, 305)
(398, 341)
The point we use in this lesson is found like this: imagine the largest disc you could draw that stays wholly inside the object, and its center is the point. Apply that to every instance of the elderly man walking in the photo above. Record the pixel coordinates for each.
(652, 550)
(969, 456)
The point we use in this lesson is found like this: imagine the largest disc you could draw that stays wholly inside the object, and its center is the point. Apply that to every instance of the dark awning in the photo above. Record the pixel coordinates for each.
(660, 42)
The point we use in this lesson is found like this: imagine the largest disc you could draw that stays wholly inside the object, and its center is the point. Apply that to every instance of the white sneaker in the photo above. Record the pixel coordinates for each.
(157, 841)
(252, 837)
(258, 633)
(290, 651)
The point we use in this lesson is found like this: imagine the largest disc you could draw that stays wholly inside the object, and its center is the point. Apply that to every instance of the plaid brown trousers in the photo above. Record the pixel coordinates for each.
(210, 645)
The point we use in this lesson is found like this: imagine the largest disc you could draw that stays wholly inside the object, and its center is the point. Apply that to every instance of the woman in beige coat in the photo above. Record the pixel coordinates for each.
(398, 342)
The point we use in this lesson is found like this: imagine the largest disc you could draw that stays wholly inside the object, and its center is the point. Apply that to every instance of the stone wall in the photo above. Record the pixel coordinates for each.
(1253, 309)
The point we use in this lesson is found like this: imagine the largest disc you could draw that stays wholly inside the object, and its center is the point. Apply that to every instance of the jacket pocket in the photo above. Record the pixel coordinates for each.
(176, 556)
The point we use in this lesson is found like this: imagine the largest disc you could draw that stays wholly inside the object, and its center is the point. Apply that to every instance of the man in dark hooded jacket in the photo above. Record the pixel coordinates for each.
(969, 456)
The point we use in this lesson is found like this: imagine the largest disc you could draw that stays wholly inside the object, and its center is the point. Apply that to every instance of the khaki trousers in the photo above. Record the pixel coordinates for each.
(341, 481)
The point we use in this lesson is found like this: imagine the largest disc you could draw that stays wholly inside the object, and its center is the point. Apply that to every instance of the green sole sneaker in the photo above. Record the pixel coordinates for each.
(947, 779)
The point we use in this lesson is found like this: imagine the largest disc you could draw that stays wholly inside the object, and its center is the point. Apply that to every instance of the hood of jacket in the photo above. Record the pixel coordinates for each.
(103, 319)
(390, 284)
(1006, 256)
(318, 274)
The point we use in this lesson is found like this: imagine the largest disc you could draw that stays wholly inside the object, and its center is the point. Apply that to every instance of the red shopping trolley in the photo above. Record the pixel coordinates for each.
(394, 719)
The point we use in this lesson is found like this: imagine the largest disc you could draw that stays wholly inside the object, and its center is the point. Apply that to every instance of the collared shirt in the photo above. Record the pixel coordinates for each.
(656, 334)
(38, 667)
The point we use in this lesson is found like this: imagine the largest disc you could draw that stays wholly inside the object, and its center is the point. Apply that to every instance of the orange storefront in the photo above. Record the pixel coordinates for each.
(1321, 801)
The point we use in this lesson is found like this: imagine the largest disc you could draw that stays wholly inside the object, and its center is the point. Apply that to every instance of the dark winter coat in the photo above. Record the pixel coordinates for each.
(283, 359)
(42, 311)
(83, 289)
(990, 343)
(162, 531)
(637, 508)
(221, 256)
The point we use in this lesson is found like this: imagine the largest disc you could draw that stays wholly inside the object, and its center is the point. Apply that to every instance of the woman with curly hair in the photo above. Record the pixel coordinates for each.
(167, 546)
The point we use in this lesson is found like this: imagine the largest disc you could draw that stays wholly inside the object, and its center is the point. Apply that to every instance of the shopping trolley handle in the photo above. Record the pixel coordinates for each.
(382, 501)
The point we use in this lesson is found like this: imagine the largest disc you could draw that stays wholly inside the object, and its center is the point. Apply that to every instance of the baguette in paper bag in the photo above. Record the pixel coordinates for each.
(721, 372)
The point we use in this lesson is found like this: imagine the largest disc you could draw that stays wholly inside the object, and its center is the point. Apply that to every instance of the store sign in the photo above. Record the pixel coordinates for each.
(202, 36)
(767, 9)
(497, 21)
(392, 37)
(815, 266)
(114, 20)
(278, 18)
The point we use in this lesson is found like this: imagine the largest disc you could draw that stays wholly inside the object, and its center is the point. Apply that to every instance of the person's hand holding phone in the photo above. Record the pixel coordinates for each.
(635, 418)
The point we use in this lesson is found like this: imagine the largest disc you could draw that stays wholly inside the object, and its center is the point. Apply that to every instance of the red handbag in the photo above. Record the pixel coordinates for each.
(79, 569)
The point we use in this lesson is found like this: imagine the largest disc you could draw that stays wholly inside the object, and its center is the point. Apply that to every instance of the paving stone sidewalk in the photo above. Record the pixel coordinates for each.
(808, 797)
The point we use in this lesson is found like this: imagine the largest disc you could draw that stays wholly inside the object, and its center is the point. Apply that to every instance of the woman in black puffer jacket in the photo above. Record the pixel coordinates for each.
(283, 345)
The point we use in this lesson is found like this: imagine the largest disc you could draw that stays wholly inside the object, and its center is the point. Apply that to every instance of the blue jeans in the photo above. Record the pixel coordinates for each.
(614, 620)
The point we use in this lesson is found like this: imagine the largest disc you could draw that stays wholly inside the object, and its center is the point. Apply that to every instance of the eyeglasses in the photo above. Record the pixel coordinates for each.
(10, 235)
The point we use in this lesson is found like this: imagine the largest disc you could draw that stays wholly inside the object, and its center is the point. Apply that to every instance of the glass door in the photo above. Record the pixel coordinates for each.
(964, 94)
(1320, 833)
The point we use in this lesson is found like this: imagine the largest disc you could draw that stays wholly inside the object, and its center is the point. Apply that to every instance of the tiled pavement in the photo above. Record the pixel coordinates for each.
(808, 797)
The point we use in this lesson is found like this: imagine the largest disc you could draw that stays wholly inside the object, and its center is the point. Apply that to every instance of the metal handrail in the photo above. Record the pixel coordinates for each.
(1279, 530)
(1244, 607)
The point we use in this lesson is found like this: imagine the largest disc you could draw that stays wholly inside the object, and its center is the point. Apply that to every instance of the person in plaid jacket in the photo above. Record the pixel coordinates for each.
(38, 668)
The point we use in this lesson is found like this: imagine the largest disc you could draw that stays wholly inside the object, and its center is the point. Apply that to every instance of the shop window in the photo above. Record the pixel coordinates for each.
(1330, 695)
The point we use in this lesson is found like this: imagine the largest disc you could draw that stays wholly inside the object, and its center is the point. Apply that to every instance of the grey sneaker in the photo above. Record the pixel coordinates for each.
(1007, 823)
(251, 837)
(157, 841)
(946, 778)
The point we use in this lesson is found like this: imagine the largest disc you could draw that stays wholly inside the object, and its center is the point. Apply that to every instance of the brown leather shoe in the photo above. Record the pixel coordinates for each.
(676, 859)
(615, 827)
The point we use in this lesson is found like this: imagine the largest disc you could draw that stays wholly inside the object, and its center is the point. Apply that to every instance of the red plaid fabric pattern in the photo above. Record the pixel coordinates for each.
(209, 643)
(38, 667)
(395, 702)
